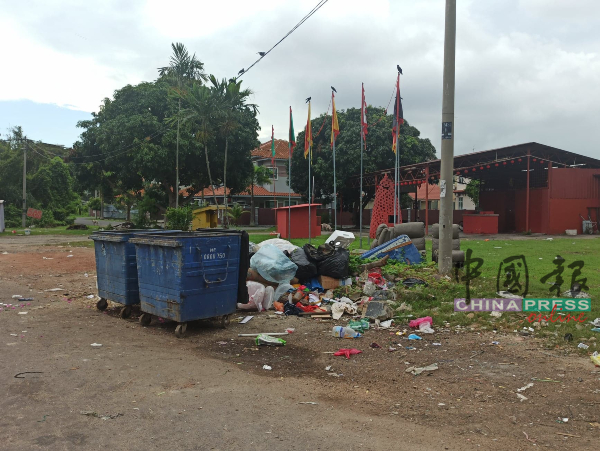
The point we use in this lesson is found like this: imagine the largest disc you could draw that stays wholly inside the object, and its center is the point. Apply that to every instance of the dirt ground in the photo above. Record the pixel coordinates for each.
(210, 391)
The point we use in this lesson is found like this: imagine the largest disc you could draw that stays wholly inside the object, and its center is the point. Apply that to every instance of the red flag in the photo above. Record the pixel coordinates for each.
(335, 128)
(363, 115)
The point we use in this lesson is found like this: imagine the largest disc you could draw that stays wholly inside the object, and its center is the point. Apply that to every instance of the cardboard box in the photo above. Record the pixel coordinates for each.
(329, 283)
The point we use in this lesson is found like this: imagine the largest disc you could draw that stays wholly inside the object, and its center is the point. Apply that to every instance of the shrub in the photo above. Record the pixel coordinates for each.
(179, 218)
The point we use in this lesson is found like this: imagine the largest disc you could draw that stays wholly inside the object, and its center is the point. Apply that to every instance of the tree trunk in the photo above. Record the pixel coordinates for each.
(225, 217)
(101, 205)
(252, 215)
(128, 213)
(209, 176)
(177, 161)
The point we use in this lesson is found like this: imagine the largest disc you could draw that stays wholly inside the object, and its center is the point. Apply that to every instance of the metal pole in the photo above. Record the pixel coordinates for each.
(427, 200)
(334, 190)
(309, 195)
(177, 164)
(24, 214)
(526, 197)
(398, 211)
(447, 165)
(395, 181)
(360, 205)
(289, 227)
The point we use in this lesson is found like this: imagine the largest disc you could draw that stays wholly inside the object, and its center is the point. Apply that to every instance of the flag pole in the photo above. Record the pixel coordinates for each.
(362, 142)
(289, 191)
(334, 189)
(309, 194)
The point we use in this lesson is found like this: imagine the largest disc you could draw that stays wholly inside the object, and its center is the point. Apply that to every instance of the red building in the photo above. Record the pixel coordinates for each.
(529, 186)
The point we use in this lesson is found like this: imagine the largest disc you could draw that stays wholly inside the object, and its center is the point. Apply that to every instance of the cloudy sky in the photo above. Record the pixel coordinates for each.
(526, 70)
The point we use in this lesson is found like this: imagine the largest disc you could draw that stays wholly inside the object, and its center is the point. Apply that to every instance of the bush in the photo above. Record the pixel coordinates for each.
(70, 220)
(47, 220)
(59, 214)
(94, 203)
(325, 219)
(12, 216)
(179, 218)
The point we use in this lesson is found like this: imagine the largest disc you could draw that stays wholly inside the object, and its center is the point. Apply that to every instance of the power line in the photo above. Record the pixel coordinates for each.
(304, 19)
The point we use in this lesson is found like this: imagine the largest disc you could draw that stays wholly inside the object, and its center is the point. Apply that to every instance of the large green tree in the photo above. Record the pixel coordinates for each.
(377, 155)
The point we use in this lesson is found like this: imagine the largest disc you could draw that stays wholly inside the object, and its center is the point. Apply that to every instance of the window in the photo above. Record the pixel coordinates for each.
(462, 180)
(274, 172)
(433, 204)
(460, 203)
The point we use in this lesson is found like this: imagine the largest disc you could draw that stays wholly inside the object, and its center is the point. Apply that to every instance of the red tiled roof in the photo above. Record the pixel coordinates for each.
(281, 150)
(434, 192)
(258, 191)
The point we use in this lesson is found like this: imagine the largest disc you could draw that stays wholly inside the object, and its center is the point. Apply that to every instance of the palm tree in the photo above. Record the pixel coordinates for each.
(205, 107)
(236, 212)
(182, 70)
(234, 99)
(261, 176)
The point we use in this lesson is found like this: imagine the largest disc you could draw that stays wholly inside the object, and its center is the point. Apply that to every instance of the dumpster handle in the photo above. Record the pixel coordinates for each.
(206, 281)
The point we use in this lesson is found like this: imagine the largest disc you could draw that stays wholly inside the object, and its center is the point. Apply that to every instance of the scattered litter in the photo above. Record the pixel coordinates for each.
(22, 313)
(246, 319)
(568, 337)
(375, 345)
(16, 296)
(221, 342)
(410, 348)
(497, 247)
(347, 352)
(508, 295)
(334, 374)
(583, 346)
(54, 289)
(543, 380)
(102, 417)
(267, 367)
(328, 368)
(595, 358)
(264, 339)
(495, 342)
(568, 435)
(441, 404)
(90, 296)
(391, 349)
(529, 385)
(309, 402)
(70, 255)
(345, 332)
(416, 371)
(96, 345)
(414, 337)
(359, 325)
(521, 397)
(47, 258)
(424, 324)
(596, 322)
(14, 335)
(411, 282)
(18, 375)
(496, 314)
(563, 420)
(596, 329)
(387, 324)
(436, 344)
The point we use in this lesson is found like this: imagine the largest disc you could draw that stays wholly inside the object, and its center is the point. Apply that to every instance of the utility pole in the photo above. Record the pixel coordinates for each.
(447, 166)
(24, 217)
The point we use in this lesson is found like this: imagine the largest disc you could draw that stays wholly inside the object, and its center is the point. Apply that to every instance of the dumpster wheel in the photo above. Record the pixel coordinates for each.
(224, 321)
(102, 304)
(180, 330)
(125, 312)
(145, 319)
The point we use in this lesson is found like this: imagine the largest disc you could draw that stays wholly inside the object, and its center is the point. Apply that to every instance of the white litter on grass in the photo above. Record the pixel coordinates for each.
(55, 289)
(246, 319)
(91, 296)
(22, 313)
(583, 346)
(86, 275)
(386, 324)
(327, 368)
(96, 345)
(521, 397)
(16, 296)
(496, 314)
(565, 420)
(267, 367)
(525, 387)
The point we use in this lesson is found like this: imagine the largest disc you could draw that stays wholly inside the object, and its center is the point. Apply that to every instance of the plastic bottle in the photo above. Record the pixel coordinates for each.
(344, 332)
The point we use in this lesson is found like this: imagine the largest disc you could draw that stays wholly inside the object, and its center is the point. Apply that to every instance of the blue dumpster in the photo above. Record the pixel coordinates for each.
(187, 276)
(116, 267)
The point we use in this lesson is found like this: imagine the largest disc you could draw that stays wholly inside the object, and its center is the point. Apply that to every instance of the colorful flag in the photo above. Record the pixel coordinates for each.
(363, 116)
(398, 114)
(292, 137)
(335, 128)
(272, 146)
(308, 140)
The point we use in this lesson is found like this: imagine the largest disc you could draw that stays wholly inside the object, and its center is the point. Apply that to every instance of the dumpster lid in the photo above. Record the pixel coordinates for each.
(172, 239)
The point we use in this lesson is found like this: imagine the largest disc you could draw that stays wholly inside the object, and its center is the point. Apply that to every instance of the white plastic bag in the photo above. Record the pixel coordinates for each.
(272, 264)
(269, 298)
(256, 294)
(283, 245)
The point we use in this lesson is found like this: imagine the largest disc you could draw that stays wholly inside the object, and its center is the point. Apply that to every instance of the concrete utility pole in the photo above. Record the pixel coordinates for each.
(24, 217)
(447, 166)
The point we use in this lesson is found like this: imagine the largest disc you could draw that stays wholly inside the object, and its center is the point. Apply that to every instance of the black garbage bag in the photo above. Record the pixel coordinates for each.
(318, 255)
(336, 265)
(306, 268)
